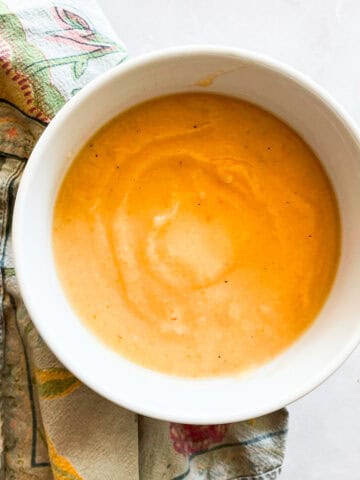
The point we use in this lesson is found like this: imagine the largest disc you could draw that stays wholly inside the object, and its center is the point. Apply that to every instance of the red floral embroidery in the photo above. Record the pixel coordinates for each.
(189, 439)
(76, 31)
(12, 132)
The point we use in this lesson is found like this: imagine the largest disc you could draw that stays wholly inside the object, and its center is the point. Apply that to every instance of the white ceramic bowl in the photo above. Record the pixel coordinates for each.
(290, 96)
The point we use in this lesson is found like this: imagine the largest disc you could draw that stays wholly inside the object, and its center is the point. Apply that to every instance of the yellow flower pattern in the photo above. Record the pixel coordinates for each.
(61, 467)
(55, 382)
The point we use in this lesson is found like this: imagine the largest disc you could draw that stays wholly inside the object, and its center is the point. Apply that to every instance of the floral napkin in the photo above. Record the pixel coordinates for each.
(52, 426)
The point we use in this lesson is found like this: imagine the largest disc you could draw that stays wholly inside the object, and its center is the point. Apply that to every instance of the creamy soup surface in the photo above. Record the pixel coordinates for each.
(196, 235)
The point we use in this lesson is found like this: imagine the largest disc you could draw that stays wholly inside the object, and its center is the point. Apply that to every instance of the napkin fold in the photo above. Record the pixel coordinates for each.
(53, 426)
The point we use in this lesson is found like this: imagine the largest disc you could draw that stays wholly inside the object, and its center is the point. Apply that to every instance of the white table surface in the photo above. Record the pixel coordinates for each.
(322, 39)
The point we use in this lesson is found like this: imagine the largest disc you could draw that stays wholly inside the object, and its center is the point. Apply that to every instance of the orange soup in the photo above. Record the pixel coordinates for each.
(197, 235)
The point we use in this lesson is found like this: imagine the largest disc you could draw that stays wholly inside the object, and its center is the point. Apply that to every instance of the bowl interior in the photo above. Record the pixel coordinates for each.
(300, 368)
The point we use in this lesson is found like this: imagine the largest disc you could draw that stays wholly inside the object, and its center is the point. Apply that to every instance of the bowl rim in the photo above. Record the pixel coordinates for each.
(25, 185)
